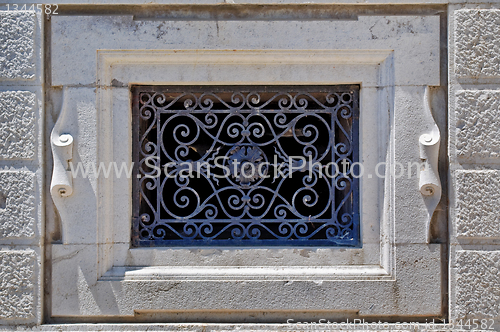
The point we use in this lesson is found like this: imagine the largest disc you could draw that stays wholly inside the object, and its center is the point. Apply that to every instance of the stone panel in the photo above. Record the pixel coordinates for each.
(16, 44)
(477, 123)
(17, 125)
(478, 277)
(477, 43)
(17, 284)
(478, 199)
(17, 204)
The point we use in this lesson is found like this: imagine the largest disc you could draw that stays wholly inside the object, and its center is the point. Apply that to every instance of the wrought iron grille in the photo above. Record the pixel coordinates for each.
(245, 165)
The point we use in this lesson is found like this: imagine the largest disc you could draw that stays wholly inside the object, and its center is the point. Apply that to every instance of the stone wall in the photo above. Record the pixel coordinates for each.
(21, 170)
(474, 110)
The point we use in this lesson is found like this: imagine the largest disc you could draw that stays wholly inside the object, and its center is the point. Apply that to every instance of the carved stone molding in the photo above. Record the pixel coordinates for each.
(62, 152)
(430, 185)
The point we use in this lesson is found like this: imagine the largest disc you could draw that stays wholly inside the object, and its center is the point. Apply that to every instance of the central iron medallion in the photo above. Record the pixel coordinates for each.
(246, 164)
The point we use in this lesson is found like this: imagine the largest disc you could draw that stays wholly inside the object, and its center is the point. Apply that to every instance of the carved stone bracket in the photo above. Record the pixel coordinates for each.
(62, 152)
(429, 183)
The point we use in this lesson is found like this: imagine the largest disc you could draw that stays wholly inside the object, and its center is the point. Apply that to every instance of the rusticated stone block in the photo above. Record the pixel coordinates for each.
(17, 204)
(17, 125)
(477, 43)
(16, 44)
(17, 282)
(477, 121)
(478, 199)
(477, 277)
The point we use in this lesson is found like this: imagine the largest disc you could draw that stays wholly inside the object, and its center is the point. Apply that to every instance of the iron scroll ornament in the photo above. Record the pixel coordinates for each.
(253, 166)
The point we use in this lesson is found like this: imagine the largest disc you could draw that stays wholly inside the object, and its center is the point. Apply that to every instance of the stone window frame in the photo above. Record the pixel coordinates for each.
(120, 64)
(112, 271)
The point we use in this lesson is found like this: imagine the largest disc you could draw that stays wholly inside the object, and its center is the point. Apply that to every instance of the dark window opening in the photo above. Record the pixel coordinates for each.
(245, 166)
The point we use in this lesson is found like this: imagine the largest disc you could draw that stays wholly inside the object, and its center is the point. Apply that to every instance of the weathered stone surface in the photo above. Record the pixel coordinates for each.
(17, 204)
(478, 277)
(17, 284)
(16, 44)
(477, 123)
(414, 39)
(17, 125)
(477, 43)
(478, 199)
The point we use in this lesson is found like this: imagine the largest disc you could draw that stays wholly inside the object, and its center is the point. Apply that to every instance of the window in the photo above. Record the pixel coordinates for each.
(245, 165)
(96, 274)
